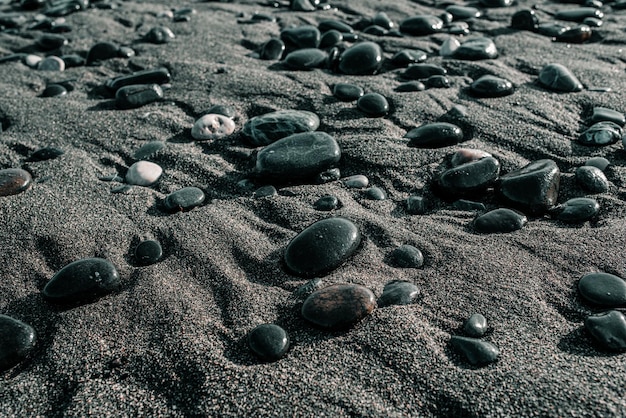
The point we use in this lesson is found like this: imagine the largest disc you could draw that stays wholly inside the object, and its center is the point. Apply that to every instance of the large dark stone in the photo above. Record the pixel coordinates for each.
(17, 340)
(152, 76)
(435, 135)
(469, 178)
(421, 25)
(499, 221)
(559, 78)
(603, 289)
(491, 86)
(609, 329)
(533, 188)
(578, 209)
(363, 58)
(270, 127)
(137, 95)
(184, 199)
(601, 133)
(338, 306)
(476, 351)
(301, 37)
(82, 280)
(268, 341)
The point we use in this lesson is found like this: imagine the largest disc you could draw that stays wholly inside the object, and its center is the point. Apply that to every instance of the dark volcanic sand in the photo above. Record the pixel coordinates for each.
(172, 342)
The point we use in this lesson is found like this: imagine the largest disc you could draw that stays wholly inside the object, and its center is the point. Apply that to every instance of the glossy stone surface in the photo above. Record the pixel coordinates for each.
(143, 173)
(137, 95)
(499, 221)
(578, 209)
(272, 50)
(575, 35)
(82, 280)
(552, 30)
(102, 51)
(375, 193)
(598, 162)
(410, 87)
(407, 256)
(434, 135)
(423, 71)
(268, 341)
(421, 25)
(338, 306)
(184, 199)
(467, 155)
(54, 90)
(601, 133)
(449, 47)
(407, 57)
(159, 35)
(363, 58)
(559, 78)
(148, 252)
(475, 326)
(525, 20)
(298, 156)
(398, 292)
(17, 340)
(592, 179)
(603, 289)
(333, 24)
(468, 205)
(148, 150)
(270, 127)
(306, 59)
(373, 105)
(212, 126)
(578, 14)
(491, 86)
(328, 176)
(463, 12)
(47, 153)
(152, 76)
(609, 329)
(305, 36)
(347, 92)
(476, 49)
(14, 181)
(475, 351)
(603, 114)
(357, 181)
(322, 247)
(437, 82)
(469, 178)
(326, 203)
(49, 42)
(534, 187)
(330, 39)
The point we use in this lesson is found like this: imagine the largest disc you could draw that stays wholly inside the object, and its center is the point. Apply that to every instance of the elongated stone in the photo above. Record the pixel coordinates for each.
(347, 92)
(476, 49)
(357, 181)
(491, 86)
(476, 351)
(499, 221)
(272, 50)
(437, 81)
(603, 289)
(338, 306)
(609, 329)
(534, 187)
(559, 78)
(463, 12)
(423, 71)
(592, 179)
(47, 153)
(411, 86)
(322, 247)
(54, 90)
(468, 205)
(578, 209)
(475, 326)
(332, 24)
(578, 14)
(82, 280)
(398, 292)
(434, 135)
(469, 178)
(268, 341)
(552, 30)
(270, 127)
(575, 35)
(14, 181)
(603, 114)
(143, 173)
(407, 57)
(148, 150)
(421, 25)
(137, 95)
(18, 340)
(152, 76)
(184, 199)
(598, 162)
(212, 126)
(305, 36)
(306, 59)
(364, 58)
(601, 133)
(326, 203)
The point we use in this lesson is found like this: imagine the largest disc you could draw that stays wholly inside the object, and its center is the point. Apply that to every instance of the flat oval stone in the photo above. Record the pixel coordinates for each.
(373, 105)
(268, 341)
(609, 329)
(463, 12)
(265, 191)
(467, 155)
(468, 205)
(434, 135)
(330, 39)
(601, 133)
(592, 179)
(559, 78)
(407, 256)
(410, 87)
(491, 86)
(423, 71)
(578, 14)
(84, 279)
(475, 326)
(270, 127)
(151, 76)
(375, 193)
(137, 95)
(499, 221)
(476, 49)
(338, 306)
(407, 57)
(598, 162)
(184, 199)
(102, 51)
(322, 247)
(575, 35)
(326, 203)
(51, 63)
(347, 92)
(143, 173)
(421, 25)
(148, 252)
(305, 36)
(364, 58)
(49, 42)
(437, 81)
(525, 20)
(578, 209)
(149, 150)
(14, 181)
(357, 181)
(398, 292)
(54, 90)
(469, 178)
(212, 126)
(603, 289)
(534, 187)
(272, 50)
(47, 153)
(18, 340)
(603, 114)
(416, 205)
(552, 30)
(306, 59)
(476, 351)
(332, 24)
(159, 35)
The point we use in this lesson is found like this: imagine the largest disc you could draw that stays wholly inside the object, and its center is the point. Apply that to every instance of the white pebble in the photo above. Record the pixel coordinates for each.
(212, 126)
(143, 173)
(449, 47)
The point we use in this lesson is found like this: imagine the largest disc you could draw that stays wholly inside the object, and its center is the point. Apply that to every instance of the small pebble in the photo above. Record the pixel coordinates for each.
(306, 59)
(364, 58)
(137, 95)
(463, 12)
(149, 150)
(18, 340)
(357, 181)
(449, 47)
(148, 252)
(47, 153)
(476, 49)
(331, 24)
(578, 14)
(398, 292)
(373, 105)
(381, 19)
(603, 114)
(410, 87)
(475, 326)
(347, 92)
(407, 57)
(82, 280)
(416, 205)
(601, 133)
(338, 306)
(328, 176)
(421, 25)
(469, 178)
(270, 127)
(326, 203)
(499, 221)
(603, 289)
(14, 181)
(268, 341)
(468, 205)
(184, 199)
(299, 37)
(491, 86)
(434, 135)
(598, 162)
(152, 76)
(407, 256)
(32, 60)
(212, 126)
(49, 42)
(265, 191)
(51, 63)
(592, 179)
(309, 287)
(578, 209)
(575, 35)
(375, 193)
(143, 173)
(330, 39)
(609, 329)
(437, 82)
(272, 50)
(423, 71)
(467, 155)
(102, 51)
(534, 187)
(552, 30)
(559, 78)
(159, 35)
(476, 351)
(54, 90)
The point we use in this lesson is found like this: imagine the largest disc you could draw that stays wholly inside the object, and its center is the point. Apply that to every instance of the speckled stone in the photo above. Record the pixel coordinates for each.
(601, 133)
(270, 127)
(603, 289)
(609, 329)
(272, 50)
(407, 57)
(326, 203)
(469, 178)
(475, 351)
(603, 114)
(475, 326)
(434, 135)
(407, 256)
(421, 25)
(347, 92)
(592, 179)
(306, 59)
(184, 199)
(143, 173)
(47, 153)
(364, 58)
(268, 341)
(18, 340)
(212, 126)
(14, 181)
(559, 78)
(375, 193)
(578, 209)
(357, 181)
(338, 306)
(476, 49)
(398, 292)
(534, 187)
(322, 247)
(491, 86)
(148, 252)
(82, 280)
(373, 105)
(137, 95)
(499, 221)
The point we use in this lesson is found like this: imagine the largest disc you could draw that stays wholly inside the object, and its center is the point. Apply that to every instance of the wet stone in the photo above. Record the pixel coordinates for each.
(347, 92)
(434, 135)
(593, 22)
(143, 173)
(575, 35)
(82, 280)
(592, 179)
(102, 51)
(357, 181)
(375, 193)
(467, 155)
(329, 24)
(421, 25)
(301, 6)
(184, 199)
(270, 127)
(151, 76)
(598, 162)
(469, 178)
(398, 292)
(149, 150)
(499, 221)
(159, 35)
(54, 90)
(463, 12)
(268, 341)
(272, 50)
(364, 58)
(407, 256)
(407, 57)
(578, 209)
(137, 95)
(373, 105)
(534, 187)
(18, 340)
(496, 3)
(603, 289)
(338, 306)
(51, 63)
(609, 329)
(411, 86)
(47, 153)
(330, 39)
(423, 71)
(603, 114)
(559, 78)
(491, 86)
(375, 30)
(306, 59)
(350, 37)
(601, 133)
(381, 19)
(468, 205)
(301, 37)
(322, 247)
(458, 29)
(212, 126)
(578, 14)
(449, 47)
(416, 205)
(148, 252)
(475, 351)
(475, 326)
(14, 181)
(326, 203)
(265, 191)
(476, 49)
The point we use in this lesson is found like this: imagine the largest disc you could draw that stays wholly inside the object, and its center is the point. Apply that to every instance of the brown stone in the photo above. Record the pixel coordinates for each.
(338, 306)
(14, 181)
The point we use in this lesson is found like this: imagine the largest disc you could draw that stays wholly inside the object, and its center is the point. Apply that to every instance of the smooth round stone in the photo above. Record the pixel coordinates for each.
(51, 63)
(268, 341)
(54, 90)
(421, 25)
(357, 181)
(151, 76)
(212, 126)
(603, 289)
(601, 133)
(552, 30)
(137, 95)
(338, 306)
(364, 58)
(578, 209)
(534, 187)
(499, 221)
(468, 205)
(270, 127)
(272, 50)
(298, 156)
(326, 203)
(47, 153)
(148, 252)
(592, 179)
(84, 279)
(32, 60)
(373, 105)
(143, 173)
(305, 36)
(18, 340)
(437, 81)
(423, 71)
(330, 39)
(598, 162)
(398, 292)
(491, 86)
(347, 92)
(609, 329)
(593, 22)
(525, 20)
(475, 326)
(49, 42)
(463, 12)
(416, 205)
(475, 351)
(102, 51)
(407, 57)
(306, 59)
(322, 247)
(407, 256)
(434, 135)
(327, 176)
(265, 191)
(14, 181)
(467, 155)
(375, 193)
(184, 199)
(575, 35)
(469, 178)
(410, 87)
(559, 78)
(449, 47)
(603, 114)
(578, 14)
(381, 19)
(476, 49)
(159, 35)
(149, 150)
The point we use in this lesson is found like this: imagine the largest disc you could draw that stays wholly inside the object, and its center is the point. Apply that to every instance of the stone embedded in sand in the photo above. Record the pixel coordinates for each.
(468, 205)
(603, 289)
(410, 87)
(298, 156)
(463, 12)
(373, 105)
(437, 81)
(54, 90)
(499, 221)
(476, 351)
(592, 179)
(421, 25)
(449, 47)
(47, 153)
(347, 92)
(578, 14)
(469, 178)
(212, 126)
(434, 135)
(137, 95)
(475, 326)
(102, 51)
(496, 3)
(184, 199)
(17, 340)
(51, 63)
(159, 35)
(491, 86)
(578, 209)
(270, 127)
(148, 252)
(51, 41)
(149, 150)
(143, 173)
(525, 20)
(330, 39)
(331, 24)
(305, 36)
(423, 71)
(364, 58)
(416, 205)
(601, 133)
(84, 279)
(306, 59)
(534, 187)
(322, 247)
(609, 329)
(559, 78)
(476, 49)
(272, 50)
(603, 114)
(326, 203)
(407, 256)
(14, 181)
(398, 292)
(375, 193)
(151, 76)
(407, 57)
(357, 181)
(265, 191)
(268, 341)
(338, 306)
(598, 162)
(575, 35)
(467, 155)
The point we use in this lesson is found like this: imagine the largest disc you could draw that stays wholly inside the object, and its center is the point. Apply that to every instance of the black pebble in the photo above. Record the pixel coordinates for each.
(421, 25)
(407, 256)
(330, 39)
(43, 154)
(137, 95)
(525, 20)
(49, 42)
(148, 252)
(347, 92)
(18, 339)
(102, 51)
(423, 71)
(272, 50)
(437, 82)
(326, 203)
(534, 187)
(159, 35)
(54, 90)
(373, 105)
(398, 292)
(220, 109)
(329, 24)
(376, 193)
(491, 86)
(499, 221)
(151, 76)
(434, 135)
(476, 351)
(469, 178)
(184, 199)
(268, 341)
(592, 179)
(148, 150)
(265, 191)
(301, 37)
(82, 280)
(410, 87)
(416, 205)
(306, 59)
